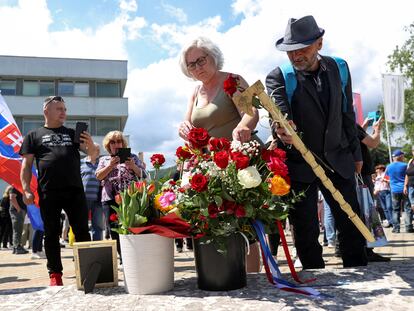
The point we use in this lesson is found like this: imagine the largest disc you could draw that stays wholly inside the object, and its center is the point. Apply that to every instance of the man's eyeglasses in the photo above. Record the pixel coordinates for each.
(201, 61)
(113, 142)
(56, 98)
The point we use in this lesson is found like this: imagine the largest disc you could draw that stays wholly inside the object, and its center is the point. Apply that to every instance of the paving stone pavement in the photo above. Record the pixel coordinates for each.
(382, 286)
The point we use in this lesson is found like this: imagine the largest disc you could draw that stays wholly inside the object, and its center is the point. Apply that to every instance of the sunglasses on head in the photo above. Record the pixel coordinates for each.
(56, 98)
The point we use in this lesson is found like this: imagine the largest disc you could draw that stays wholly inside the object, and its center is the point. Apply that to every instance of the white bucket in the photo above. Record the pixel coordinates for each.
(148, 263)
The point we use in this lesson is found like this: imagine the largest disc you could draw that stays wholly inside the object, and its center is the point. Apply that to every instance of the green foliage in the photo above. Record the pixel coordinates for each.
(402, 59)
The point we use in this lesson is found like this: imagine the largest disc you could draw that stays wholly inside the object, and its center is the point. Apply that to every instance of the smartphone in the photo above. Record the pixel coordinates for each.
(123, 154)
(373, 116)
(80, 128)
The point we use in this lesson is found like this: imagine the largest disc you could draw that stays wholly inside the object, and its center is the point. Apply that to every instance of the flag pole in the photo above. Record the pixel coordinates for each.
(388, 140)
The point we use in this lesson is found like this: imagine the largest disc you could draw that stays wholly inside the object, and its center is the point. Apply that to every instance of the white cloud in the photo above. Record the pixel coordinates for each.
(175, 12)
(128, 6)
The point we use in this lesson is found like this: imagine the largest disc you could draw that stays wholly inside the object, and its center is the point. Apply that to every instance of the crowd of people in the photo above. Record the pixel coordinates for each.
(320, 109)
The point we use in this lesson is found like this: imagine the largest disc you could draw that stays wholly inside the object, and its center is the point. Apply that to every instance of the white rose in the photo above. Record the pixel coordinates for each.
(249, 177)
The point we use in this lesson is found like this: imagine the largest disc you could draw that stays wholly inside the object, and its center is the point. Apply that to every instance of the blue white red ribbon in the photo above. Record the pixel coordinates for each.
(272, 269)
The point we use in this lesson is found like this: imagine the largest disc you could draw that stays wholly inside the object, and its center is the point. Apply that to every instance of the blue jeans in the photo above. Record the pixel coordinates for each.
(400, 200)
(98, 219)
(411, 195)
(384, 197)
(329, 223)
(37, 241)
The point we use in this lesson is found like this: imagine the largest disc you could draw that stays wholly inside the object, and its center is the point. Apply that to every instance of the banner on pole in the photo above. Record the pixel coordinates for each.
(393, 94)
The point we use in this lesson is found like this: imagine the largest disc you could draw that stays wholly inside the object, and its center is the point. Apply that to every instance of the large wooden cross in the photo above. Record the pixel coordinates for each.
(244, 102)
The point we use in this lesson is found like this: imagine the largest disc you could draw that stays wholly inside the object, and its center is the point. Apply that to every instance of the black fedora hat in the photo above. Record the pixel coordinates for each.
(299, 33)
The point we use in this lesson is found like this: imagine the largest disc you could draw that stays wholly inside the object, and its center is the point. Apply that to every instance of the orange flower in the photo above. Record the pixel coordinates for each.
(279, 186)
(151, 189)
(118, 199)
(140, 186)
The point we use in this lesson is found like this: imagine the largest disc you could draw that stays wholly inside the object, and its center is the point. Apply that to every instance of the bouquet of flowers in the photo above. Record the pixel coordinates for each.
(136, 205)
(227, 187)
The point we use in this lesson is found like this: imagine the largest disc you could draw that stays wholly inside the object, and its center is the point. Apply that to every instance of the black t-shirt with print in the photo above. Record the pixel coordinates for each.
(57, 157)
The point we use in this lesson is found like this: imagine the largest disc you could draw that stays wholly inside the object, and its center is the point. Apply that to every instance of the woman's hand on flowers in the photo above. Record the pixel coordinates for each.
(242, 133)
(184, 128)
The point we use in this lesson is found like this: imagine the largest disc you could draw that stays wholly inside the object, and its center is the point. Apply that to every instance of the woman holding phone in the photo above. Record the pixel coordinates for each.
(116, 171)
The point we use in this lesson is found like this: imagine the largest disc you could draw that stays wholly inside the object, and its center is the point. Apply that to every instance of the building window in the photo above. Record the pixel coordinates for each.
(107, 89)
(72, 123)
(29, 125)
(31, 88)
(81, 89)
(47, 88)
(65, 88)
(103, 126)
(8, 87)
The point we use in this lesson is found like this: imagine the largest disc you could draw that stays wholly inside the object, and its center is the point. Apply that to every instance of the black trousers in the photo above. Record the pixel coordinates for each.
(304, 218)
(73, 202)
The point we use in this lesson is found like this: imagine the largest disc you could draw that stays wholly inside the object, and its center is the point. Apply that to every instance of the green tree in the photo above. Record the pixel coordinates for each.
(402, 59)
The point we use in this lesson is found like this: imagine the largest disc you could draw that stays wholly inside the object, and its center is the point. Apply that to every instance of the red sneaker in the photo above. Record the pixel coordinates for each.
(56, 279)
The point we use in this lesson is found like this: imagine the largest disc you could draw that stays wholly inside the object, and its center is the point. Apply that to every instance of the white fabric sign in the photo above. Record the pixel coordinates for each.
(393, 90)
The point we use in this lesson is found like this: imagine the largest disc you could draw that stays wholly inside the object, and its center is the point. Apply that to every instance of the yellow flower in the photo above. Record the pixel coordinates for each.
(158, 205)
(279, 186)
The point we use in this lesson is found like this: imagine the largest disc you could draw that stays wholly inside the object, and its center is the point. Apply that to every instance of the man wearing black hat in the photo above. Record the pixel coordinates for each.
(325, 120)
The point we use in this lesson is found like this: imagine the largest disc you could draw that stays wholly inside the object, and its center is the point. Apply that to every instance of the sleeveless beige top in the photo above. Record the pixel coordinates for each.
(219, 117)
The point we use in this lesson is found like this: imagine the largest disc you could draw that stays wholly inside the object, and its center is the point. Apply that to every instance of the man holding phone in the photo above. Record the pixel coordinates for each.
(59, 181)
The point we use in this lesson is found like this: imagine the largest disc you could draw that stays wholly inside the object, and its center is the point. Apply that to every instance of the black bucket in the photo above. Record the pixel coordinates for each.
(221, 271)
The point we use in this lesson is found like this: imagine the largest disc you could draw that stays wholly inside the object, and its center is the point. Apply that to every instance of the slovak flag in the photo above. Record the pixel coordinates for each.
(10, 161)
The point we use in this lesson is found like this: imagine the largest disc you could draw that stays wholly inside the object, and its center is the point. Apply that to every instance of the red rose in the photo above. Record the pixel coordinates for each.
(278, 167)
(213, 210)
(221, 159)
(240, 211)
(241, 160)
(229, 207)
(157, 160)
(183, 153)
(230, 85)
(113, 218)
(276, 153)
(198, 137)
(218, 144)
(199, 182)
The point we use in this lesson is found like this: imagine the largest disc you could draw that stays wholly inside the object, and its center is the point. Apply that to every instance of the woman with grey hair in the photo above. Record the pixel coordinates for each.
(209, 106)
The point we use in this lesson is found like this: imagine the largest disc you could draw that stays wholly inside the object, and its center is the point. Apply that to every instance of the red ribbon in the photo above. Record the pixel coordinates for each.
(288, 258)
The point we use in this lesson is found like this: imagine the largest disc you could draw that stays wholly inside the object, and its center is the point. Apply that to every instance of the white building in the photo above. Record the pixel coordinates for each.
(92, 89)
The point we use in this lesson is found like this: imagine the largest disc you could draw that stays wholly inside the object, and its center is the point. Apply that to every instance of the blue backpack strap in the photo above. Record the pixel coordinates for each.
(290, 79)
(343, 72)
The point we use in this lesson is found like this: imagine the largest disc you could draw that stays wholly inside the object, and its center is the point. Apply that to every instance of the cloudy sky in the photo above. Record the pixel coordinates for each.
(150, 33)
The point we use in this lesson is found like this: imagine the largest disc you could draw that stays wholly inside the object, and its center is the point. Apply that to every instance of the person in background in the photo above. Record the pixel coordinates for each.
(37, 245)
(370, 141)
(27, 233)
(92, 187)
(409, 180)
(396, 174)
(383, 193)
(116, 176)
(316, 110)
(60, 187)
(5, 220)
(18, 212)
